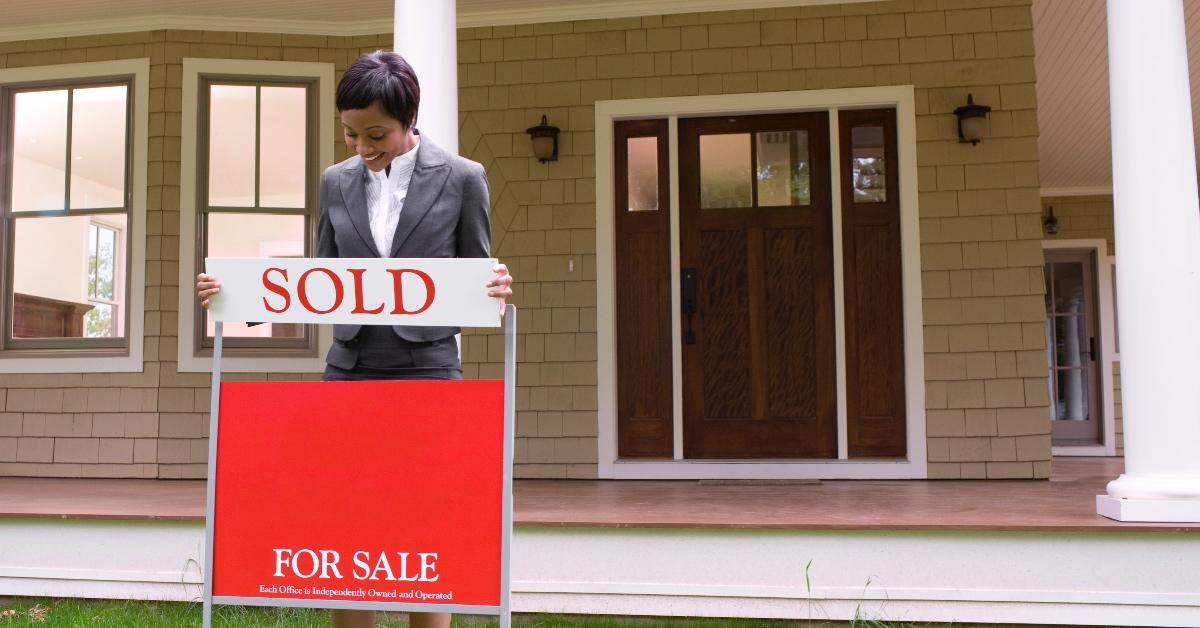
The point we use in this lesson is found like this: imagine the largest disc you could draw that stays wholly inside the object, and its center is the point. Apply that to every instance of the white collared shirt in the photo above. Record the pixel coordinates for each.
(385, 198)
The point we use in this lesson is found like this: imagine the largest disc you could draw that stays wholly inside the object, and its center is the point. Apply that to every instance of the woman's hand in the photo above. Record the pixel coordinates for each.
(500, 287)
(206, 287)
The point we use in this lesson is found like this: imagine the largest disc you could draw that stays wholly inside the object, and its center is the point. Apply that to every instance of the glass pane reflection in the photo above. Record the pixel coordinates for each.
(642, 160)
(868, 164)
(725, 171)
(282, 146)
(78, 291)
(783, 176)
(231, 146)
(39, 150)
(98, 147)
(1068, 288)
(1072, 385)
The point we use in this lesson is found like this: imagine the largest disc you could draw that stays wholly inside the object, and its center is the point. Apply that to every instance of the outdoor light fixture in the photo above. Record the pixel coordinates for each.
(1050, 224)
(971, 118)
(545, 141)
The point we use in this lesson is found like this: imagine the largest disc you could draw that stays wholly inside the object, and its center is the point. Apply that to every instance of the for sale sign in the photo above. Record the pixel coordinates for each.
(376, 492)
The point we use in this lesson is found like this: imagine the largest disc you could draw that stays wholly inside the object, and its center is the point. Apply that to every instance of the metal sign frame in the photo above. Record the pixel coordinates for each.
(503, 610)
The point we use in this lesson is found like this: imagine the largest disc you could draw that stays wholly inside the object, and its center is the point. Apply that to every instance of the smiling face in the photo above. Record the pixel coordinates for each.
(375, 136)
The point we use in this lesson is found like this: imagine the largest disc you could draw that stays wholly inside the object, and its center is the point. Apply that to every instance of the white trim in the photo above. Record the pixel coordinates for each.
(839, 286)
(562, 12)
(901, 97)
(189, 362)
(145, 23)
(676, 292)
(1105, 326)
(11, 362)
(1113, 577)
(507, 14)
(1095, 190)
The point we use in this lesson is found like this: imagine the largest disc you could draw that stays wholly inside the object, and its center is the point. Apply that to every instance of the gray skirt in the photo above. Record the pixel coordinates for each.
(384, 355)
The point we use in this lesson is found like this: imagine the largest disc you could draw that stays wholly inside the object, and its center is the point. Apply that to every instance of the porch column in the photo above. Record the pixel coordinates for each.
(1157, 226)
(426, 35)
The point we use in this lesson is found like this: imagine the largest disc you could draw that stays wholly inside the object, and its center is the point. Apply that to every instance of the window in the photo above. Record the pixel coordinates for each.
(257, 184)
(104, 281)
(254, 143)
(66, 215)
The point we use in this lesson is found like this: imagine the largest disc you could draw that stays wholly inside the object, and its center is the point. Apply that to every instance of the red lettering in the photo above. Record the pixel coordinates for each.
(397, 273)
(358, 293)
(277, 289)
(302, 292)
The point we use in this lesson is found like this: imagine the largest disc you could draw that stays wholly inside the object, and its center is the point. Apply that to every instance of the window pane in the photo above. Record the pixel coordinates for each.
(870, 172)
(39, 150)
(282, 147)
(231, 146)
(642, 153)
(98, 147)
(255, 235)
(783, 168)
(1072, 395)
(725, 171)
(55, 294)
(1068, 288)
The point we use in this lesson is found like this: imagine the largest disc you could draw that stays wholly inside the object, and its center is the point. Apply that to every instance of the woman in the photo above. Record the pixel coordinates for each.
(399, 196)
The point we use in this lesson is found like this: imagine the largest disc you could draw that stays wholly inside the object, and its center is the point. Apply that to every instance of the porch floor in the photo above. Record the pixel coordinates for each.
(1066, 502)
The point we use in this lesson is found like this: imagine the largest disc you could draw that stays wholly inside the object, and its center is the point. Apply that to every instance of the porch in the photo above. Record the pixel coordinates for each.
(892, 550)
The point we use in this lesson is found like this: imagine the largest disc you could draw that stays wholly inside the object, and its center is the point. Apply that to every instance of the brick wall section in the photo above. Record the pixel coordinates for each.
(1090, 217)
(980, 226)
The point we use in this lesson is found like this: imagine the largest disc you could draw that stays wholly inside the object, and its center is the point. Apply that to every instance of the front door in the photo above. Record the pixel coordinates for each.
(1071, 336)
(759, 373)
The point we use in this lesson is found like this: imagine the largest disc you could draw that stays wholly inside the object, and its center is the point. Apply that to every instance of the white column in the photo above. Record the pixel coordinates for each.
(426, 35)
(1157, 225)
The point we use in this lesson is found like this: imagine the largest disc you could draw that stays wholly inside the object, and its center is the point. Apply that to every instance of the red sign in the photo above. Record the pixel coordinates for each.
(376, 491)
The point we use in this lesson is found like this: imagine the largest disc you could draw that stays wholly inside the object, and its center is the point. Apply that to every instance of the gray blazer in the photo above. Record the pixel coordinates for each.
(446, 214)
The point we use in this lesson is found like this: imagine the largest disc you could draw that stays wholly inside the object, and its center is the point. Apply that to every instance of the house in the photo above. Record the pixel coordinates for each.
(763, 252)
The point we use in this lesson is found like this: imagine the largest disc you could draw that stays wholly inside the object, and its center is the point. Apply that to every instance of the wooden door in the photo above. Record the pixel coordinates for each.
(757, 270)
(875, 406)
(643, 290)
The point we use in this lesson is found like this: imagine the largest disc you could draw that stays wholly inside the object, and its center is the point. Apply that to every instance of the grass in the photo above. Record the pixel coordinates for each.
(19, 612)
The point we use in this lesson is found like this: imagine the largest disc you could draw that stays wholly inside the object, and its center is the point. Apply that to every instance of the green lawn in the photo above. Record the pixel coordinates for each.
(71, 613)
(53, 612)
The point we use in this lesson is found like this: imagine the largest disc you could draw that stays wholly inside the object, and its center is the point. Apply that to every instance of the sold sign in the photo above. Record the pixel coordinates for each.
(375, 291)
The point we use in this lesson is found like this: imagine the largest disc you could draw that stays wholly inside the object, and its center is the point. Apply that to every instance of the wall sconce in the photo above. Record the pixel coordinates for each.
(971, 118)
(545, 141)
(1050, 224)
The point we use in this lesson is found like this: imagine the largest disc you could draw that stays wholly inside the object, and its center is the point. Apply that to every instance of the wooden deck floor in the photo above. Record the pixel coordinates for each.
(1066, 502)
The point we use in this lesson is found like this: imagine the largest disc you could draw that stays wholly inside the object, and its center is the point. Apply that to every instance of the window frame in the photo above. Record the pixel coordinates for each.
(119, 257)
(9, 218)
(306, 344)
(194, 350)
(67, 355)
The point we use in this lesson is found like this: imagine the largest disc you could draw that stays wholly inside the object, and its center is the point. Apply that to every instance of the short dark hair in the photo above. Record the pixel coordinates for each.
(383, 76)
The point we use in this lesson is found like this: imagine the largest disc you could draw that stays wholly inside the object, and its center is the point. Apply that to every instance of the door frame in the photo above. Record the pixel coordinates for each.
(606, 112)
(1106, 332)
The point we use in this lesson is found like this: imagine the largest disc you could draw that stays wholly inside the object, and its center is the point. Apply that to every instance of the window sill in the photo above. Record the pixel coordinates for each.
(39, 361)
(270, 363)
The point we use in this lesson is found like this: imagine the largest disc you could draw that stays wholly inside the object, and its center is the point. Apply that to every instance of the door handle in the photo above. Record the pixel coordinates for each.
(1092, 347)
(688, 290)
